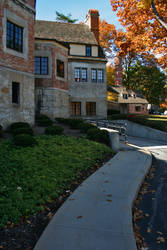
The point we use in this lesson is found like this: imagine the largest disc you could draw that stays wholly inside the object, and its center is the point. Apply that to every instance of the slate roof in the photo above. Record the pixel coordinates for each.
(64, 32)
(138, 99)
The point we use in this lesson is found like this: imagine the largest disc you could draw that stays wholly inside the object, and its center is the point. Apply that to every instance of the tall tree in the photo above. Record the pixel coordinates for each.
(65, 18)
(144, 33)
(148, 79)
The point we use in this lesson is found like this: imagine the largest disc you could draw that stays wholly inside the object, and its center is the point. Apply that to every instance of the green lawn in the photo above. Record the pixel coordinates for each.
(32, 176)
(154, 121)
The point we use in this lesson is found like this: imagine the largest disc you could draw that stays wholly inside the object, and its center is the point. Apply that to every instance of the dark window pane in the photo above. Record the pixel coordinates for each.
(41, 65)
(15, 92)
(60, 68)
(14, 37)
(88, 50)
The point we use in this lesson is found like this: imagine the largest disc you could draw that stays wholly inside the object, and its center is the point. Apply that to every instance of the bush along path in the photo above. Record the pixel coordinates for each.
(36, 180)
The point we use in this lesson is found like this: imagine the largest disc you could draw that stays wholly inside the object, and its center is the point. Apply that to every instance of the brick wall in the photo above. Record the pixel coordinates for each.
(23, 62)
(56, 52)
(132, 109)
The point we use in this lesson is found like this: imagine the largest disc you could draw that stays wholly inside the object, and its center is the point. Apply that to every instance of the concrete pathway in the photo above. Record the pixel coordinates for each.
(97, 216)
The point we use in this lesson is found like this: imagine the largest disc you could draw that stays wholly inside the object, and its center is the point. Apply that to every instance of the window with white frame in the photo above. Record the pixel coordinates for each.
(97, 75)
(80, 74)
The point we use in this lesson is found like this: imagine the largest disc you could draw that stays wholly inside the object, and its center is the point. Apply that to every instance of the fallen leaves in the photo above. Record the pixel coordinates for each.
(80, 217)
(160, 239)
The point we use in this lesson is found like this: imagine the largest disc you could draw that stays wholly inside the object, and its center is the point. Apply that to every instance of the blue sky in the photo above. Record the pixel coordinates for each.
(46, 9)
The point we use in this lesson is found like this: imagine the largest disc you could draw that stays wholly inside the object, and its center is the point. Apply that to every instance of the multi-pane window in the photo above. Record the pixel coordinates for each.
(97, 75)
(94, 75)
(60, 68)
(125, 96)
(14, 37)
(80, 74)
(90, 108)
(88, 50)
(16, 92)
(41, 65)
(76, 108)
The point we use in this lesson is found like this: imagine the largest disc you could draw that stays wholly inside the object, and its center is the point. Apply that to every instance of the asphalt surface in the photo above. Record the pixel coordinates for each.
(153, 225)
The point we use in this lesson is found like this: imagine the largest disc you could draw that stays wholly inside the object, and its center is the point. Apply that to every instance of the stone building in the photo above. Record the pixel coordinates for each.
(86, 65)
(51, 78)
(17, 61)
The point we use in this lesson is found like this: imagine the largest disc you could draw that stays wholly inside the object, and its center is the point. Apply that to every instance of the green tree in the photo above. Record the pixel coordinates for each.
(148, 79)
(64, 18)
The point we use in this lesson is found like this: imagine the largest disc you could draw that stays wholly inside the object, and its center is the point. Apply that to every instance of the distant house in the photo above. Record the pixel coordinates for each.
(127, 101)
(17, 61)
(122, 99)
(86, 79)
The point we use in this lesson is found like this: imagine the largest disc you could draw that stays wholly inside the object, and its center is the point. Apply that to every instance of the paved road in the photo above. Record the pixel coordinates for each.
(154, 227)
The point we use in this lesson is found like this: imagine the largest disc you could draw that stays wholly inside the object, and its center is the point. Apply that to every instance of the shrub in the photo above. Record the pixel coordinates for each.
(60, 120)
(118, 117)
(17, 125)
(44, 121)
(113, 112)
(54, 130)
(98, 135)
(84, 127)
(25, 130)
(24, 140)
(75, 123)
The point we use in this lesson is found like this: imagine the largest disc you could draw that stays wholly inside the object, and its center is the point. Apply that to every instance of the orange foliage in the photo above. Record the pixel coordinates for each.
(143, 32)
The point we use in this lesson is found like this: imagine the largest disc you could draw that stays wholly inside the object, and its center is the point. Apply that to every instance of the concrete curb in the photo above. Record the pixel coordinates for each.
(98, 215)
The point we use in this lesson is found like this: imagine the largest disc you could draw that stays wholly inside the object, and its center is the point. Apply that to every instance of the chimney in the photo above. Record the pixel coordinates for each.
(92, 20)
(118, 71)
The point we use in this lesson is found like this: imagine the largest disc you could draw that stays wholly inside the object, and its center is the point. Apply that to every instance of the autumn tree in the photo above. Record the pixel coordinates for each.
(144, 31)
(64, 18)
(110, 72)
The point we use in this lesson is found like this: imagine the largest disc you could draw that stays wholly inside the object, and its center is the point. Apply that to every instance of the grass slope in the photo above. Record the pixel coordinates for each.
(32, 176)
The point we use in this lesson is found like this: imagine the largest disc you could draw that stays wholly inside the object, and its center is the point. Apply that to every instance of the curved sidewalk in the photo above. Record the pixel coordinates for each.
(97, 216)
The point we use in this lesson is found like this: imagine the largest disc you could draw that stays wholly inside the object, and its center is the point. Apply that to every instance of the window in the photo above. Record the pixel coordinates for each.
(60, 68)
(41, 65)
(88, 50)
(76, 108)
(14, 37)
(90, 108)
(80, 74)
(15, 92)
(138, 108)
(125, 96)
(97, 75)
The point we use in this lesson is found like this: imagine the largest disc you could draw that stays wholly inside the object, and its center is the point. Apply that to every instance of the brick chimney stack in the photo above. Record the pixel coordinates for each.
(92, 20)
(118, 71)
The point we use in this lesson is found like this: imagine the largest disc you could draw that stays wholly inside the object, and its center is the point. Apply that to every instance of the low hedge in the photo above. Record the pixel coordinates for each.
(84, 127)
(24, 140)
(44, 121)
(98, 135)
(54, 130)
(16, 125)
(25, 130)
